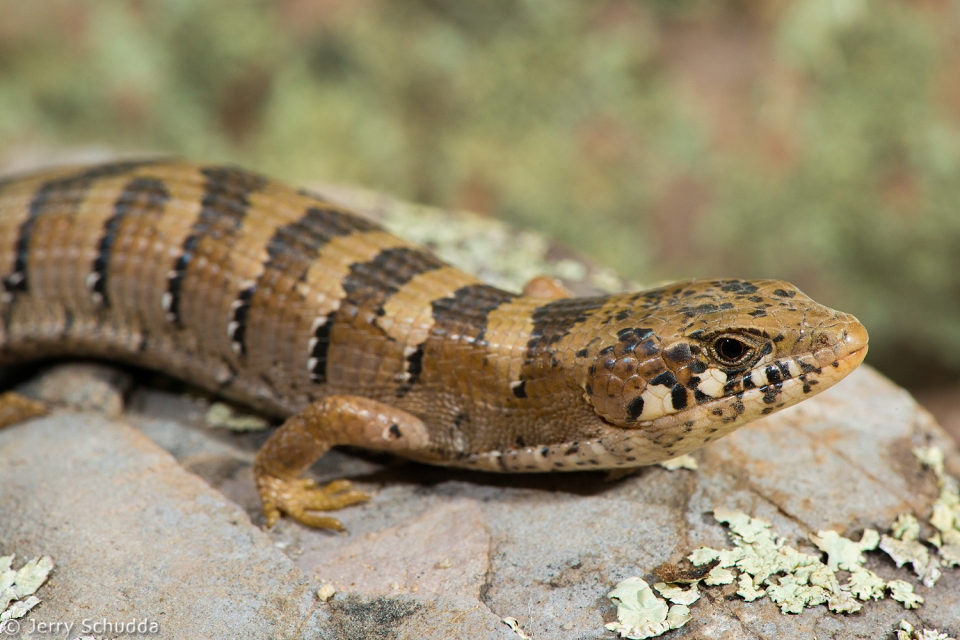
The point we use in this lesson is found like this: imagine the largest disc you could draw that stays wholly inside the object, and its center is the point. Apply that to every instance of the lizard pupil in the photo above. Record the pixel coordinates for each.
(730, 349)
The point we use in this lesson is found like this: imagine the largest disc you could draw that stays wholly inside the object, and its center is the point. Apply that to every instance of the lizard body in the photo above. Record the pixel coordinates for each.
(303, 309)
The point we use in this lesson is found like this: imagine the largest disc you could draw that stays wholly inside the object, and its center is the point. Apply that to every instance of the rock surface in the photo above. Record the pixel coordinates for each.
(441, 553)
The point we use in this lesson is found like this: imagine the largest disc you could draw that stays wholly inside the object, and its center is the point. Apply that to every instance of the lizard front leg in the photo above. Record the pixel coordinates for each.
(305, 436)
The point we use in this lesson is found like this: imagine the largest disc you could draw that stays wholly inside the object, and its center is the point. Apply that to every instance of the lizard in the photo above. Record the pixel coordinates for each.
(300, 308)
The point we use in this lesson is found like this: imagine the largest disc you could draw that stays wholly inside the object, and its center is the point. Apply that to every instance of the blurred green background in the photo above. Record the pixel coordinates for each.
(816, 141)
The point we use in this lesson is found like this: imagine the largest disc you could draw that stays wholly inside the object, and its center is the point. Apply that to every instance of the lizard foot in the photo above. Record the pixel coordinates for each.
(296, 497)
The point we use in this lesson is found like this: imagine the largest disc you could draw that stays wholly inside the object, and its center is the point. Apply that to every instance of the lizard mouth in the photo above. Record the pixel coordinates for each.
(749, 404)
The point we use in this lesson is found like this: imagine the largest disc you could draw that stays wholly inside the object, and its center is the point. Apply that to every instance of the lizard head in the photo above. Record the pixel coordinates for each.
(702, 357)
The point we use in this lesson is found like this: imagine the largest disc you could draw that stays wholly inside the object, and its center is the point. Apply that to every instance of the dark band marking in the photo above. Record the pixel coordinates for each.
(294, 246)
(319, 344)
(414, 369)
(292, 249)
(237, 329)
(556, 319)
(370, 284)
(226, 199)
(465, 312)
(635, 408)
(60, 195)
(141, 197)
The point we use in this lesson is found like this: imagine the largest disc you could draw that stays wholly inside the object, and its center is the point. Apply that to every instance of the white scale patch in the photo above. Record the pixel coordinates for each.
(656, 402)
(712, 382)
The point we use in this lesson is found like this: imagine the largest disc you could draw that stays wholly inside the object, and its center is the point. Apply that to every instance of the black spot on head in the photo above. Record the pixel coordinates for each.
(773, 375)
(678, 353)
(778, 338)
(806, 367)
(738, 286)
(520, 389)
(698, 366)
(700, 397)
(767, 411)
(667, 379)
(635, 408)
(758, 313)
(520, 442)
(582, 353)
(647, 348)
(572, 449)
(678, 395)
(395, 431)
(783, 293)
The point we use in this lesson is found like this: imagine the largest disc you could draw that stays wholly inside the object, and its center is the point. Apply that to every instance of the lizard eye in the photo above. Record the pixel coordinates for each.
(731, 351)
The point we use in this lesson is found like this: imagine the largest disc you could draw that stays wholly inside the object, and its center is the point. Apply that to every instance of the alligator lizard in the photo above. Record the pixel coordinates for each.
(298, 307)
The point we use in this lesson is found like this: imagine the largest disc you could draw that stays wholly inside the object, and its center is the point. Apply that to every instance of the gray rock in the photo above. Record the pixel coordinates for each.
(440, 553)
(82, 387)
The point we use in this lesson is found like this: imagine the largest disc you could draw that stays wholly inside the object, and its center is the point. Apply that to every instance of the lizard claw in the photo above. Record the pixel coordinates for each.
(296, 497)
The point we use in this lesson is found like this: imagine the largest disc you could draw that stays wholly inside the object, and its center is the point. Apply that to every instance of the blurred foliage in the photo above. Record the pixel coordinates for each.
(816, 141)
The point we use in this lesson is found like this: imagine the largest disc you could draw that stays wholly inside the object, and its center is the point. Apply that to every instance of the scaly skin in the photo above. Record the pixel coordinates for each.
(298, 307)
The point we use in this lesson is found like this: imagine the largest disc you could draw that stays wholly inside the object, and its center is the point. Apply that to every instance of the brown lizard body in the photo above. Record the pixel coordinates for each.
(301, 308)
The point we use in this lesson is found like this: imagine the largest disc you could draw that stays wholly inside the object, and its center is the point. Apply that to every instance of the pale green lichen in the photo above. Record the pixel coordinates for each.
(906, 631)
(641, 614)
(796, 580)
(686, 461)
(222, 416)
(945, 517)
(18, 586)
(763, 565)
(468, 240)
(902, 591)
(843, 553)
(677, 594)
